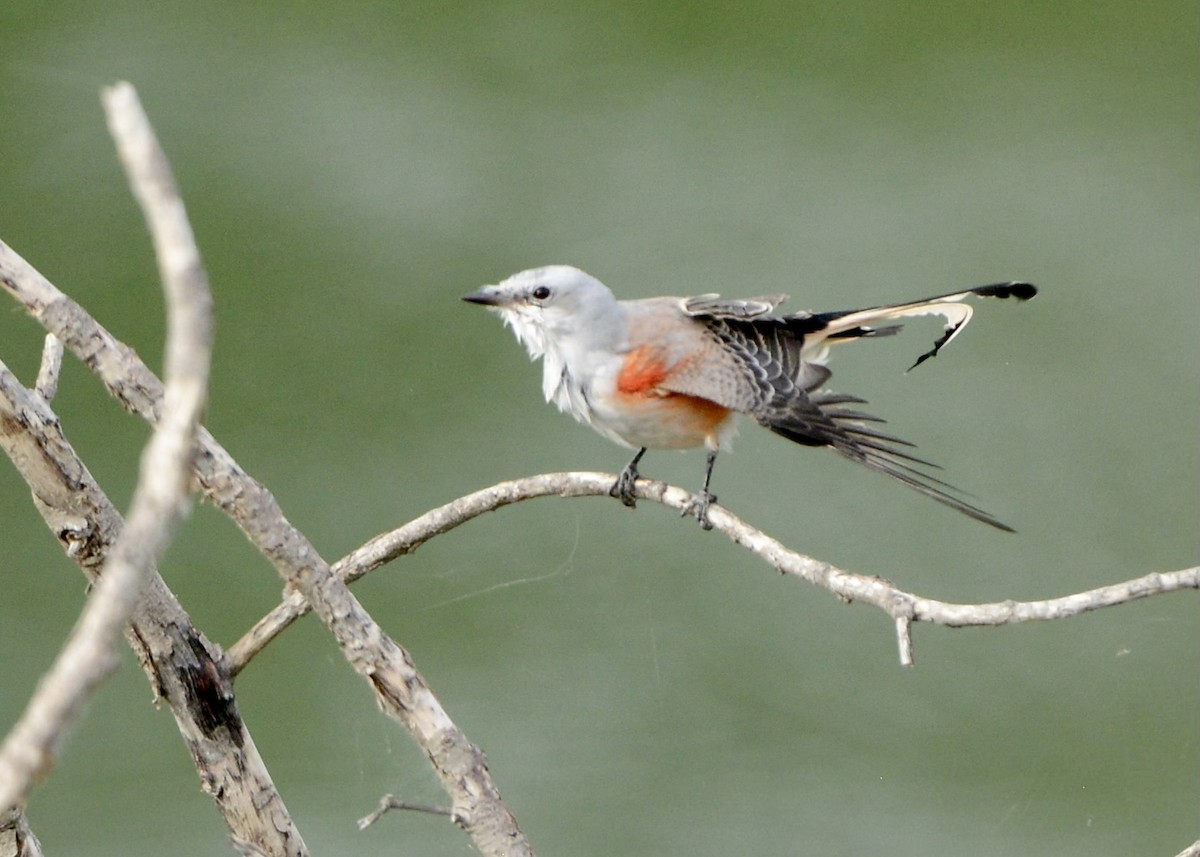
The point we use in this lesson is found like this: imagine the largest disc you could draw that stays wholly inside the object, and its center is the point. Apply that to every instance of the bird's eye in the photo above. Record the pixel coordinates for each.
(541, 293)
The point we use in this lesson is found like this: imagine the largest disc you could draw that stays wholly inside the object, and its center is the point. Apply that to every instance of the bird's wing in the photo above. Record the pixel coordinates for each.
(740, 364)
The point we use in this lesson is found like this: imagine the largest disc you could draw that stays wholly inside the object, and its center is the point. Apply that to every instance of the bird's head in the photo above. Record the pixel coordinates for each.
(546, 307)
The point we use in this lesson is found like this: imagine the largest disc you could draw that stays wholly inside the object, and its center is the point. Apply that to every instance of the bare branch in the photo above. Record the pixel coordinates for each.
(904, 607)
(183, 667)
(16, 838)
(160, 499)
(400, 689)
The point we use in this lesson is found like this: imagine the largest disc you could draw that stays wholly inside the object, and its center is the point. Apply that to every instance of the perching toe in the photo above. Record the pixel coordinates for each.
(623, 488)
(698, 506)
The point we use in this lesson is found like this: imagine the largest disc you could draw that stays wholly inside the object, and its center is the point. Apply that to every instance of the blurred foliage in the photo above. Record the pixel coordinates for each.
(641, 687)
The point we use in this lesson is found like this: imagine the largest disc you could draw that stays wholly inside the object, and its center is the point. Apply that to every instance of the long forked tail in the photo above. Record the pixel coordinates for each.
(820, 418)
(826, 328)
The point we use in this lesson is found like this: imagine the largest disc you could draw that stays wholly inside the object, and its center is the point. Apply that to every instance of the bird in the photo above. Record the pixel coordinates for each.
(675, 372)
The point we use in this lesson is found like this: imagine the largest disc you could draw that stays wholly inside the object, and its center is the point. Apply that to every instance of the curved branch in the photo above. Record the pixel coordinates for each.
(160, 499)
(904, 607)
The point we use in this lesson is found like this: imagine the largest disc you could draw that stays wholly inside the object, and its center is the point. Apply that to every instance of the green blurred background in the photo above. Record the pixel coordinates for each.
(641, 687)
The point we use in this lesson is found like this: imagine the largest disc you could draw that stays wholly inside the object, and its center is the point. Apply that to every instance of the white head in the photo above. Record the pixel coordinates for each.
(557, 308)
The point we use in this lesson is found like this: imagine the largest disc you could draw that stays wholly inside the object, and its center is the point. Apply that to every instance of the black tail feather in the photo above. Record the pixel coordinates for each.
(815, 426)
(920, 484)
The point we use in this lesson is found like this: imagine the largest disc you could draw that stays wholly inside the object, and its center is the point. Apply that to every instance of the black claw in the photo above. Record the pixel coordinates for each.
(623, 488)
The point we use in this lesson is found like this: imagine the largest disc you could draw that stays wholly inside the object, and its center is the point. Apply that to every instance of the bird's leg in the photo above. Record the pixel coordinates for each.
(623, 488)
(700, 502)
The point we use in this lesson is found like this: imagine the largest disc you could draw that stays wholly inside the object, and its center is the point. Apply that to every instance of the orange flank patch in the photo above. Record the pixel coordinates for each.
(642, 372)
(641, 377)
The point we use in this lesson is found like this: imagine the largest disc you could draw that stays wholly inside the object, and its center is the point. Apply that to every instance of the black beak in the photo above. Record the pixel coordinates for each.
(487, 296)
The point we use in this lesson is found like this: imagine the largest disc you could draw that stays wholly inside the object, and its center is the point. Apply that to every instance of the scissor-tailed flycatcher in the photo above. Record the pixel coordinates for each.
(672, 373)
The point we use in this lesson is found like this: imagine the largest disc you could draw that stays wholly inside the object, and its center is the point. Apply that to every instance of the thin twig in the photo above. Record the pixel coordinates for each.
(50, 369)
(160, 499)
(390, 802)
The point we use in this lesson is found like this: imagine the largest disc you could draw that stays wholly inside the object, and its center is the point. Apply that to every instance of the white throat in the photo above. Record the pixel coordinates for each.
(568, 349)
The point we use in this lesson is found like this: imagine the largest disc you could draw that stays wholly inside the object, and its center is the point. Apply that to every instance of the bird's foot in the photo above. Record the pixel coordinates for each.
(698, 506)
(623, 488)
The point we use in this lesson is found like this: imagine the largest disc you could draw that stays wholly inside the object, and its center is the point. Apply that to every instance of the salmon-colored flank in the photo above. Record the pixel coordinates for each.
(641, 376)
(642, 373)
